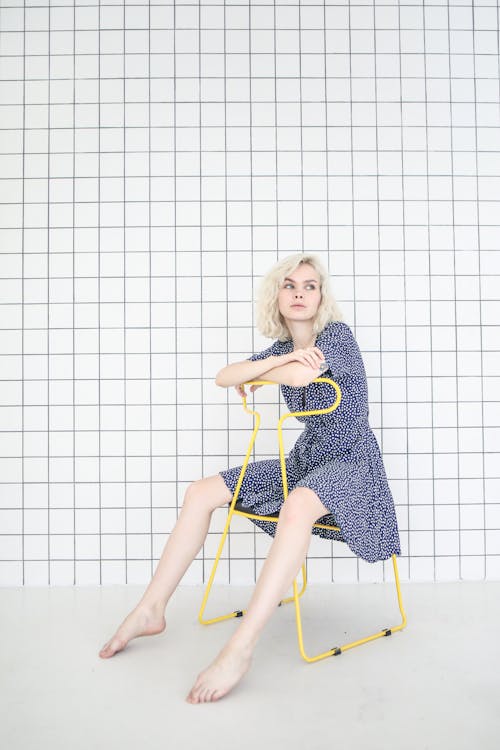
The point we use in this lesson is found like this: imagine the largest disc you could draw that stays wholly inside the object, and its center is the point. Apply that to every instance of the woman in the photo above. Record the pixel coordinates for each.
(334, 469)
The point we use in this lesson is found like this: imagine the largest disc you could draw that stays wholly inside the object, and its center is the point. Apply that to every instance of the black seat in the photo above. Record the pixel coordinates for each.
(327, 520)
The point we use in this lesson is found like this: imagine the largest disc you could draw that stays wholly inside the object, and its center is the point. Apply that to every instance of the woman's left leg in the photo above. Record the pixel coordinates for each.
(299, 512)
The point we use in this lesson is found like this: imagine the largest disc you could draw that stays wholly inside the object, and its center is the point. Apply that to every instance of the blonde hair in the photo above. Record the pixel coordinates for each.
(269, 320)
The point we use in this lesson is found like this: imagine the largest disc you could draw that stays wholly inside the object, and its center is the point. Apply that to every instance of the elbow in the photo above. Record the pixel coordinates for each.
(303, 377)
(298, 381)
(219, 379)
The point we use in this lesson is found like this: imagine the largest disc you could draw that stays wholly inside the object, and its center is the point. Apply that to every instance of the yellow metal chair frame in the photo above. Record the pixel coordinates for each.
(274, 519)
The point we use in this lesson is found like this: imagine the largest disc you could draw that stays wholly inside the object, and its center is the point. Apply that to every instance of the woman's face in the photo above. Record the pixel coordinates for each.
(299, 295)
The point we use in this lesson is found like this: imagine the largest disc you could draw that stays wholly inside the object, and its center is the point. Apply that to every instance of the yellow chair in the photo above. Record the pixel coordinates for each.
(236, 508)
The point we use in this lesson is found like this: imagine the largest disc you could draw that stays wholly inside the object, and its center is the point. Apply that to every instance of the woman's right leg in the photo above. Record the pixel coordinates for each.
(185, 541)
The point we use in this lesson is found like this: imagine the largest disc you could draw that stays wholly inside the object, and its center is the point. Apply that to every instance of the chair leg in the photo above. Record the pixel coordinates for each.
(238, 612)
(304, 584)
(336, 650)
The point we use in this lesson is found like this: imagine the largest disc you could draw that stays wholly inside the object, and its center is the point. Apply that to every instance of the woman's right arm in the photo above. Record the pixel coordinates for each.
(298, 361)
(241, 372)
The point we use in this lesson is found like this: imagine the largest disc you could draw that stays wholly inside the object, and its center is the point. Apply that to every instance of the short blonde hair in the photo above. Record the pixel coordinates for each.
(269, 320)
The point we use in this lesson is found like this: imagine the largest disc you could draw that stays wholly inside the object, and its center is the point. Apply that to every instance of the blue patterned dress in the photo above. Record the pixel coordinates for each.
(336, 455)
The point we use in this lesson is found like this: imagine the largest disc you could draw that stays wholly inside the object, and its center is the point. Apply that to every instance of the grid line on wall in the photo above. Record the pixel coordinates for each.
(48, 307)
(327, 191)
(175, 269)
(430, 304)
(99, 378)
(73, 373)
(454, 277)
(124, 281)
(383, 396)
(252, 175)
(151, 518)
(351, 147)
(22, 551)
(481, 375)
(378, 246)
(202, 266)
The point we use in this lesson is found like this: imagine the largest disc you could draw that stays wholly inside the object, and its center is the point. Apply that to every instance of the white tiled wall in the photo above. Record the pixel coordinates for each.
(156, 159)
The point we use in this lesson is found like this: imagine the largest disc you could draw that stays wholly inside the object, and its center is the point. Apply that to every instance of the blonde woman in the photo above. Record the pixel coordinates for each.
(335, 470)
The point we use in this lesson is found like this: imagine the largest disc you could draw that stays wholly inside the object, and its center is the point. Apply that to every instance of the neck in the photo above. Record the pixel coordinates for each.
(302, 333)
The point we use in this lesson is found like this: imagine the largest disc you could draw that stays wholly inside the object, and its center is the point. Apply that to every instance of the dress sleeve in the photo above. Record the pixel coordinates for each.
(340, 349)
(264, 353)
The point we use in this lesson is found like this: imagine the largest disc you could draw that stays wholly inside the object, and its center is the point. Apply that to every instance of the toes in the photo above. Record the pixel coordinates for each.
(205, 695)
(112, 647)
(118, 645)
(201, 694)
(198, 688)
(193, 696)
(104, 650)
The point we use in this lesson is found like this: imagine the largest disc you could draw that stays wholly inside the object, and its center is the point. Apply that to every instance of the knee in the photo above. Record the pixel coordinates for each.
(207, 492)
(296, 509)
(193, 493)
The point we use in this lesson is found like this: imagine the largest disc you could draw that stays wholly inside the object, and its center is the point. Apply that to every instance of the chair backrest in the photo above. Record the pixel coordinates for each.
(305, 413)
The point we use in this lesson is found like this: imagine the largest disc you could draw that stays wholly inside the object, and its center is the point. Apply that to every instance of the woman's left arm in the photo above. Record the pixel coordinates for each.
(300, 368)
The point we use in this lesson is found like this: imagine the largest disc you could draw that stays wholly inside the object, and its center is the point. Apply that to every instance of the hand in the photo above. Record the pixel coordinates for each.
(312, 356)
(240, 389)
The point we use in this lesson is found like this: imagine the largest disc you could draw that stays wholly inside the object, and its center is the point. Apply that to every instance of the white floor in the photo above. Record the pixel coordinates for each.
(435, 684)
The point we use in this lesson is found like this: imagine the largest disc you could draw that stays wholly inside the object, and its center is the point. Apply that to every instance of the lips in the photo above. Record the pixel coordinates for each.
(298, 305)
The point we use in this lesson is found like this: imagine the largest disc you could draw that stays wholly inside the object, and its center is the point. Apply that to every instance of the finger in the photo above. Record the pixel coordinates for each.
(309, 360)
(312, 361)
(306, 360)
(315, 363)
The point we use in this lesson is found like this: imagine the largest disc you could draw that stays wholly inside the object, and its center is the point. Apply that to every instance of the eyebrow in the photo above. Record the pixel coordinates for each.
(305, 282)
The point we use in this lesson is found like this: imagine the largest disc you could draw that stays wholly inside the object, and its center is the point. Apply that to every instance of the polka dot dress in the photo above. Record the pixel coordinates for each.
(336, 455)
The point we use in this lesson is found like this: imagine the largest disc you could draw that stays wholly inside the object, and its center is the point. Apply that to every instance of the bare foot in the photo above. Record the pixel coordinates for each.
(221, 676)
(142, 620)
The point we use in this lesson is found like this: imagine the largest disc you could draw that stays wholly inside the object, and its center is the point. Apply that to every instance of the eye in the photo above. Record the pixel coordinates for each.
(289, 283)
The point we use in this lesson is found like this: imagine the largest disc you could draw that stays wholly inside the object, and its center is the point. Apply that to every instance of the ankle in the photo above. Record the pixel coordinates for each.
(242, 642)
(154, 606)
